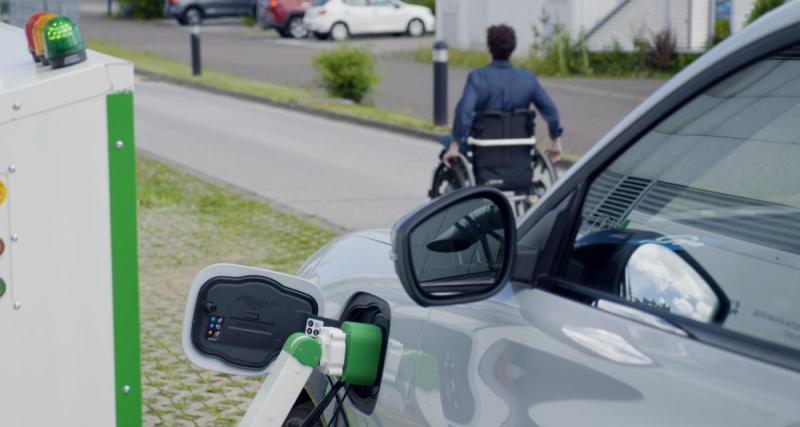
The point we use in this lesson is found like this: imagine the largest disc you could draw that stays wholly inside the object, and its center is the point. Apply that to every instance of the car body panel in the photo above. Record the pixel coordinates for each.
(210, 8)
(276, 15)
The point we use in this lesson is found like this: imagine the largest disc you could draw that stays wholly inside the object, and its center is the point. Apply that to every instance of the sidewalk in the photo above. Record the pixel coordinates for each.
(589, 107)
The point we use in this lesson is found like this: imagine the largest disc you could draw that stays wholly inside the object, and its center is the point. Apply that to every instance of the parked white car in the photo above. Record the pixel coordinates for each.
(339, 19)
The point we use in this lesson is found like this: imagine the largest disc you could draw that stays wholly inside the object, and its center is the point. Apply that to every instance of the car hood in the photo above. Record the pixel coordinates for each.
(365, 253)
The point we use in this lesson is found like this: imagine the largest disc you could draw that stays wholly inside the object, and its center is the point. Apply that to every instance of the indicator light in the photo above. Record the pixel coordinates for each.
(2, 287)
(2, 247)
(29, 33)
(63, 43)
(38, 37)
(3, 192)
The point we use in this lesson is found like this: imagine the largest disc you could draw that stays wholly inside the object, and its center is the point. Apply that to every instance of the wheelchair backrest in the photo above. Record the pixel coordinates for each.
(515, 124)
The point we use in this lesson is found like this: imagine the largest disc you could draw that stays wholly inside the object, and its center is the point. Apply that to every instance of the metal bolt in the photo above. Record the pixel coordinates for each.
(12, 168)
(17, 106)
(126, 389)
(120, 144)
(17, 305)
(14, 237)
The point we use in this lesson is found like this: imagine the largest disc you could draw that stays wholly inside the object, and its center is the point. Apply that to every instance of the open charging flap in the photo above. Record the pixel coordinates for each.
(238, 318)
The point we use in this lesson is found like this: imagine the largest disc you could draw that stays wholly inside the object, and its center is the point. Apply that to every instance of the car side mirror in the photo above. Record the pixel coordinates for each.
(238, 318)
(654, 270)
(457, 249)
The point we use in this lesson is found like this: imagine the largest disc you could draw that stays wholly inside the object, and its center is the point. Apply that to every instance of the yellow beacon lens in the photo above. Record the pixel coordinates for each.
(38, 36)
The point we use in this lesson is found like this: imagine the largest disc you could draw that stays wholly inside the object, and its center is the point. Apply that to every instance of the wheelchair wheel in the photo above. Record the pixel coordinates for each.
(545, 174)
(446, 180)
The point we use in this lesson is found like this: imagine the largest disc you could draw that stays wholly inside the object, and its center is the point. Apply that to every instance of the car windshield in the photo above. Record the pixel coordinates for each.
(320, 2)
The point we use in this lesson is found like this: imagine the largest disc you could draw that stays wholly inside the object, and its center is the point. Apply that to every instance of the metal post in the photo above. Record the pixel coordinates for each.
(440, 83)
(196, 64)
(109, 7)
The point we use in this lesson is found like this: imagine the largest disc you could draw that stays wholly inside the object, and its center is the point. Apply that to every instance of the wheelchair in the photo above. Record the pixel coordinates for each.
(502, 153)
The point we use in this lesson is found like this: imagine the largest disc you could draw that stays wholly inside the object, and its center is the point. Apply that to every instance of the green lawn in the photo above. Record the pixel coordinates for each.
(185, 224)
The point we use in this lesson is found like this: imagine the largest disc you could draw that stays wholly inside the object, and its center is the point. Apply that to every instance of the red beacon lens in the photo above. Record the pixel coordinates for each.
(29, 33)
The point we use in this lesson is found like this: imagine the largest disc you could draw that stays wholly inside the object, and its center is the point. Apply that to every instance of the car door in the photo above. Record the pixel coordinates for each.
(659, 284)
(387, 17)
(357, 14)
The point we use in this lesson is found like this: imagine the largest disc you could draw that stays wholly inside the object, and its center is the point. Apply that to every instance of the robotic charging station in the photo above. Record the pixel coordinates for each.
(68, 250)
(68, 260)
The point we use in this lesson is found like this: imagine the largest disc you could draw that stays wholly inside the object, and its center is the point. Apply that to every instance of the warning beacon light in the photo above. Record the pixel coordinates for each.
(38, 38)
(29, 33)
(63, 43)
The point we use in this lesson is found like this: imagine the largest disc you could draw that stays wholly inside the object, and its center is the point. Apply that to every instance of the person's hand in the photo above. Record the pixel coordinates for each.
(556, 148)
(451, 154)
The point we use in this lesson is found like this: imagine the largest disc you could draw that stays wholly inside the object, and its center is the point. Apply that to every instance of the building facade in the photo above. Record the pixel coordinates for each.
(604, 22)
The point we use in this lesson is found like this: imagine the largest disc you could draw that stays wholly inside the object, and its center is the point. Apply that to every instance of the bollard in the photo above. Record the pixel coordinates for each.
(440, 83)
(110, 7)
(195, 38)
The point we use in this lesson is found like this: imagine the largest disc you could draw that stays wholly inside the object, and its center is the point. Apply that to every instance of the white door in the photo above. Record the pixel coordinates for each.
(388, 17)
(357, 14)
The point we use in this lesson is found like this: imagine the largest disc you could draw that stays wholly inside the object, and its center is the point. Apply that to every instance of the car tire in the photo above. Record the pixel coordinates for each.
(192, 16)
(416, 28)
(295, 28)
(298, 414)
(339, 32)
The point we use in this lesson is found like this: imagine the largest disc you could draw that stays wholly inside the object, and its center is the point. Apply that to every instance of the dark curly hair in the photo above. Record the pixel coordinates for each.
(502, 41)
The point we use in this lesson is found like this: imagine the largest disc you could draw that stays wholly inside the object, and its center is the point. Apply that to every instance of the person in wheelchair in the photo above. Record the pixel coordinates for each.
(495, 106)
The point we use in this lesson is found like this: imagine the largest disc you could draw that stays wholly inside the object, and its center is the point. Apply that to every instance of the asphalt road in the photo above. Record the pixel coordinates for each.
(589, 107)
(351, 176)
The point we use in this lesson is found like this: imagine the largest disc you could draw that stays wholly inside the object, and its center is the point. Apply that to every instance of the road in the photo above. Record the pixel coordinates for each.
(589, 107)
(351, 176)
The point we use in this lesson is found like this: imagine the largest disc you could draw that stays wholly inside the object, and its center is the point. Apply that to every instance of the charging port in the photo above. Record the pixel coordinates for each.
(367, 308)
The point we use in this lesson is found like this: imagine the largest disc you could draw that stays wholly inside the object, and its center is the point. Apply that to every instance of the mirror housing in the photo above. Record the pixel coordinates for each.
(479, 219)
(238, 318)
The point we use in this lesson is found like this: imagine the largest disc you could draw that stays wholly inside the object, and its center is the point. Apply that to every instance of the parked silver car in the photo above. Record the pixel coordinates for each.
(189, 12)
(658, 283)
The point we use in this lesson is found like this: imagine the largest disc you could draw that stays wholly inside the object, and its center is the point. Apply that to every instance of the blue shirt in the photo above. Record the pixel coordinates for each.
(500, 86)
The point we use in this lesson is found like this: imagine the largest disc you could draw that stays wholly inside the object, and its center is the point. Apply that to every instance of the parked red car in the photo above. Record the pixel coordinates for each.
(286, 17)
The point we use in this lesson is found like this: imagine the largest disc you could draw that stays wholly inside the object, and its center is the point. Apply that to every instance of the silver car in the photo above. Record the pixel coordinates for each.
(658, 283)
(190, 12)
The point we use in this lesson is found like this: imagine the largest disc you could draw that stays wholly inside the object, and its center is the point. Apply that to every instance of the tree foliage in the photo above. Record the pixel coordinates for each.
(761, 7)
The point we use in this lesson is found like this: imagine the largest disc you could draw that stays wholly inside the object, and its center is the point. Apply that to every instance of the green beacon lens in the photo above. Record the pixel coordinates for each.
(63, 43)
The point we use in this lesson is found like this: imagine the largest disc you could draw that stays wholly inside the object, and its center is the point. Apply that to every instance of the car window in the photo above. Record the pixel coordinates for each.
(356, 2)
(701, 216)
(320, 2)
(381, 2)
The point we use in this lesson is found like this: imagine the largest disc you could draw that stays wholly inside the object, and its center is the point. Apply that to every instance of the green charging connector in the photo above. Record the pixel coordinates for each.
(363, 353)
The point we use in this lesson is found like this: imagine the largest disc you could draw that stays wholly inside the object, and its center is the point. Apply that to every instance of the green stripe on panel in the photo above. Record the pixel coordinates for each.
(124, 258)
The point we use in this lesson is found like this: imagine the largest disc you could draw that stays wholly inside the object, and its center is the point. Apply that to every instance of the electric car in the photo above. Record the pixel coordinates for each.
(657, 283)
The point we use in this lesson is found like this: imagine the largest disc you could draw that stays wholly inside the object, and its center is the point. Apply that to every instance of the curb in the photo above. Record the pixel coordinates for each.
(375, 124)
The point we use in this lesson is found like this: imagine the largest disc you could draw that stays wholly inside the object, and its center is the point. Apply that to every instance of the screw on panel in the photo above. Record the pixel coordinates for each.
(12, 168)
(17, 305)
(14, 237)
(16, 106)
(119, 144)
(126, 389)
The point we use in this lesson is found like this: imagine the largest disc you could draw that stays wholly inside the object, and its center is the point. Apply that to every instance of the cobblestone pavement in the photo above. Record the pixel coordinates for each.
(185, 224)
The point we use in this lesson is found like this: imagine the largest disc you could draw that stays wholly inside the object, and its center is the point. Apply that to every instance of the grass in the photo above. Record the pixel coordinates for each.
(604, 64)
(152, 63)
(185, 224)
